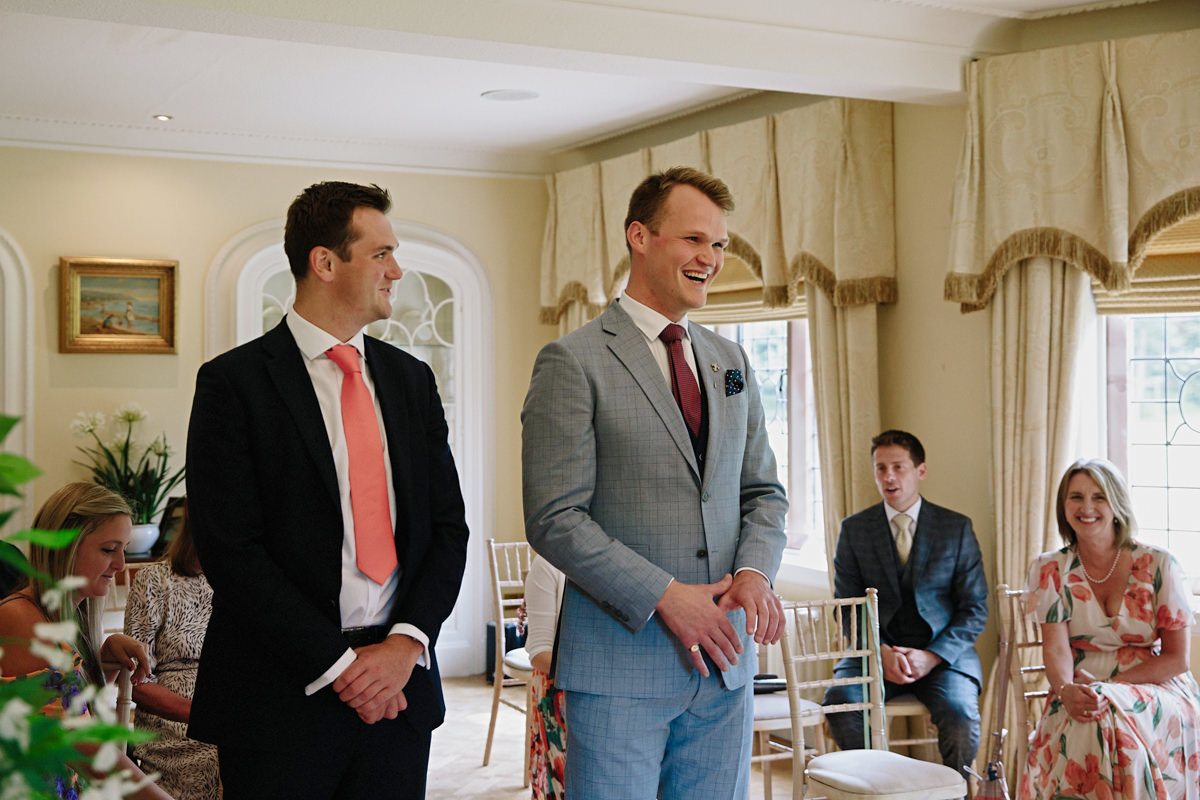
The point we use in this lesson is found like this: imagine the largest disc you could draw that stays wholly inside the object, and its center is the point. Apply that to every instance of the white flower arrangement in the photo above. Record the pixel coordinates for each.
(122, 463)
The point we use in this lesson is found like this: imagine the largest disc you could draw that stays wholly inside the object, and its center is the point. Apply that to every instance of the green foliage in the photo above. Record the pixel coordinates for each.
(34, 747)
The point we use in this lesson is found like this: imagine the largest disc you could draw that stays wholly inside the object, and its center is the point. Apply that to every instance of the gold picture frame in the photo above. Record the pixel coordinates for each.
(116, 305)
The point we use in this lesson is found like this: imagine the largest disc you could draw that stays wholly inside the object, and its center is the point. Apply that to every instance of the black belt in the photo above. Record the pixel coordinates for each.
(361, 637)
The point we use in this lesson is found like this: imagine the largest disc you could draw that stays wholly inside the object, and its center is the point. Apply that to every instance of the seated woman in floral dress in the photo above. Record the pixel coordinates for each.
(168, 610)
(96, 555)
(1123, 717)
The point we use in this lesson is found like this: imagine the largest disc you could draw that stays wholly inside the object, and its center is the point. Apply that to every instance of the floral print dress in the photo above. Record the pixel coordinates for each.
(169, 614)
(1147, 743)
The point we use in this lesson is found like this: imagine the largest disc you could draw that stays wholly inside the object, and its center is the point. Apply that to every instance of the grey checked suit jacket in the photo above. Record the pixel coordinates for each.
(950, 588)
(615, 499)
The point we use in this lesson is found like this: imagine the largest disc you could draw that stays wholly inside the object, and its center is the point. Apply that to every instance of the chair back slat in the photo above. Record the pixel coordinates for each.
(1028, 684)
(828, 631)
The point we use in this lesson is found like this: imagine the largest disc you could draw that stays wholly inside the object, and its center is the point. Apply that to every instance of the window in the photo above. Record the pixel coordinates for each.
(778, 352)
(1153, 365)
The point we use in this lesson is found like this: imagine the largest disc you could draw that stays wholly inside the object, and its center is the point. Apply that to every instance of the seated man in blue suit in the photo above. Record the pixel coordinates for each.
(933, 600)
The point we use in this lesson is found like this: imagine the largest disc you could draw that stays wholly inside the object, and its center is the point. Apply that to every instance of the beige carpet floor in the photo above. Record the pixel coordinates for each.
(455, 763)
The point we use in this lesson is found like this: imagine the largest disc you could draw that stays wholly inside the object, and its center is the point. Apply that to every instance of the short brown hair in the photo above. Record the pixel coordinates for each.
(897, 438)
(323, 216)
(1116, 492)
(647, 201)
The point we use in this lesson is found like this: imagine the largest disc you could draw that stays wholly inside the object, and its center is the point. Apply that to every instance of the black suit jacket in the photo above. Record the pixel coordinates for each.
(950, 588)
(265, 511)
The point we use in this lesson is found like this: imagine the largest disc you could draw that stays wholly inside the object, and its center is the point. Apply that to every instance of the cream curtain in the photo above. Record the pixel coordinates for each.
(815, 201)
(844, 345)
(1041, 313)
(1082, 153)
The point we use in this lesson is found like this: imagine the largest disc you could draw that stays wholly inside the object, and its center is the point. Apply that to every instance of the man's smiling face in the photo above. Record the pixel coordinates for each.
(674, 265)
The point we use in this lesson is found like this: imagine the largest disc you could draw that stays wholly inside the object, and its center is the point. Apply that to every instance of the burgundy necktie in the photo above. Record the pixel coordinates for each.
(374, 542)
(683, 382)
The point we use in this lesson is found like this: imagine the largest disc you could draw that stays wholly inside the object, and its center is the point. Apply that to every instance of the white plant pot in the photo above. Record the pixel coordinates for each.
(143, 538)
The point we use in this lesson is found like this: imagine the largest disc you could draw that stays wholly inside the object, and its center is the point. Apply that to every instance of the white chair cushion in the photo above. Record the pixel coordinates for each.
(775, 706)
(905, 705)
(881, 775)
(518, 659)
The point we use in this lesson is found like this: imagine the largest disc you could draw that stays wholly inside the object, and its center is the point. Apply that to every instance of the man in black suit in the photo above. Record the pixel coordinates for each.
(318, 677)
(933, 600)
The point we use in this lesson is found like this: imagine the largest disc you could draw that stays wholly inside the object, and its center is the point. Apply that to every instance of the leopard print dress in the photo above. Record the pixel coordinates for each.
(169, 614)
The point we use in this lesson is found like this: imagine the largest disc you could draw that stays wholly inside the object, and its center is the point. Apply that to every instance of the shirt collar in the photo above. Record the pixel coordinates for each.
(913, 512)
(647, 320)
(314, 341)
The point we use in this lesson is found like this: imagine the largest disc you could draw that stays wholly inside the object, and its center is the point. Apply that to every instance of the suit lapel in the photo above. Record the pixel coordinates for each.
(885, 548)
(629, 346)
(285, 365)
(714, 389)
(922, 541)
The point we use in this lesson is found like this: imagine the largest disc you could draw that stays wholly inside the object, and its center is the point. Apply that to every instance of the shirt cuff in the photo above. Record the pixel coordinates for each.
(330, 675)
(759, 571)
(413, 632)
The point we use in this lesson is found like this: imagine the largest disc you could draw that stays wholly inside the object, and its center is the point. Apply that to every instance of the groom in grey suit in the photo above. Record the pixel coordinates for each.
(656, 494)
(933, 600)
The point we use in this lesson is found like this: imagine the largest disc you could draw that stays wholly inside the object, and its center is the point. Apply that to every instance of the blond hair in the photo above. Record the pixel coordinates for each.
(86, 506)
(1116, 492)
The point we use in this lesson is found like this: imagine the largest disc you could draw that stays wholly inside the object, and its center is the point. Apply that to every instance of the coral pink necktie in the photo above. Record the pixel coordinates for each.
(374, 542)
(683, 382)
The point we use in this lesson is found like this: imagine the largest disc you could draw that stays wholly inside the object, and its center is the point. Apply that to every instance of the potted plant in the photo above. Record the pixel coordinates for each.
(124, 464)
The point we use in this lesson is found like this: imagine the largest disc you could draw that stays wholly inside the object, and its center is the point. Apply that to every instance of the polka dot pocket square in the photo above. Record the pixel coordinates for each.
(733, 382)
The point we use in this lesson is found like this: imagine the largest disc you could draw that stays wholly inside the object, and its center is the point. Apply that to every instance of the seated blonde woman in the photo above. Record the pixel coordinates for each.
(1123, 718)
(96, 555)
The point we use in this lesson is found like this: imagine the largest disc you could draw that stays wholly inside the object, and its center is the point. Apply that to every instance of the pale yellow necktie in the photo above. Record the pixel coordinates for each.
(903, 536)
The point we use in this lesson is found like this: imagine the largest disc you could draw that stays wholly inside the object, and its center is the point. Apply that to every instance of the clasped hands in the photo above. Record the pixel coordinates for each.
(907, 664)
(373, 684)
(1082, 702)
(689, 612)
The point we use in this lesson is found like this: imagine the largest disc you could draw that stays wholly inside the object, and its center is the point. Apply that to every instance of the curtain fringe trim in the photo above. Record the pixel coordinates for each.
(974, 292)
(849, 292)
(1162, 215)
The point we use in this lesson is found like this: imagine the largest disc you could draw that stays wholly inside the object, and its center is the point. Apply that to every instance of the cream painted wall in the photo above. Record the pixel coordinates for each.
(934, 374)
(57, 204)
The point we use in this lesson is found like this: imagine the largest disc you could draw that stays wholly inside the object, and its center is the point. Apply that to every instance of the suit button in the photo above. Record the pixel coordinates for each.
(701, 554)
(704, 497)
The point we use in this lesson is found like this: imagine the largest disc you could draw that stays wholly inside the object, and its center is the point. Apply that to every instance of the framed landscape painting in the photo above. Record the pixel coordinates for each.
(116, 305)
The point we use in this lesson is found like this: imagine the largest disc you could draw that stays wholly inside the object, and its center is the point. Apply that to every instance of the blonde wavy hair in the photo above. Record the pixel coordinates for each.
(86, 506)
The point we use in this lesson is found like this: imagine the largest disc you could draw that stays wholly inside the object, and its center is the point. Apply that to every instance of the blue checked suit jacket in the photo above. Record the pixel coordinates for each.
(614, 498)
(950, 588)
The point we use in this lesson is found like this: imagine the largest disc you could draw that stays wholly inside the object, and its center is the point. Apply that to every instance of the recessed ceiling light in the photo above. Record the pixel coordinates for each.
(163, 117)
(509, 95)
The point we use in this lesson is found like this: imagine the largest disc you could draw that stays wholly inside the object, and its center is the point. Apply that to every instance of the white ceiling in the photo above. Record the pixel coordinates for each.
(397, 83)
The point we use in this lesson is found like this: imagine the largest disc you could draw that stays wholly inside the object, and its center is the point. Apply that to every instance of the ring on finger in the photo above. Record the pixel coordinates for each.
(694, 648)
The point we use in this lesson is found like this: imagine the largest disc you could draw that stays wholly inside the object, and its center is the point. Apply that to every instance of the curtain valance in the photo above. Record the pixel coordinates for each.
(1082, 153)
(815, 202)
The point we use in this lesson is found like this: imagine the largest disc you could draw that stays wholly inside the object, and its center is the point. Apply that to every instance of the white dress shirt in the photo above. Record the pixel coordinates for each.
(362, 601)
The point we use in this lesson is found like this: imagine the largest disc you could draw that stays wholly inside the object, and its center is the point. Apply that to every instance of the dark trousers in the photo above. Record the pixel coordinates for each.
(386, 760)
(951, 697)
